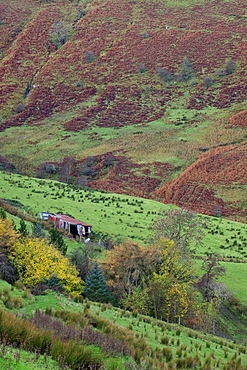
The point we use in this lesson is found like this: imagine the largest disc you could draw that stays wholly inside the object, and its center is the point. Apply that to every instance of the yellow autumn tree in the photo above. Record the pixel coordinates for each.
(36, 261)
(177, 301)
(129, 265)
(174, 280)
(8, 235)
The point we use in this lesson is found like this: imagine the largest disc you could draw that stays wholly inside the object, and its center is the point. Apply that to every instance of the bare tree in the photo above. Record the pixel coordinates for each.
(184, 227)
(208, 282)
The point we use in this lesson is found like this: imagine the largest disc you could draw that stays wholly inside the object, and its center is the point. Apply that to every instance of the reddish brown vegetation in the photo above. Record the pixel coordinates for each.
(239, 119)
(113, 32)
(193, 189)
(111, 173)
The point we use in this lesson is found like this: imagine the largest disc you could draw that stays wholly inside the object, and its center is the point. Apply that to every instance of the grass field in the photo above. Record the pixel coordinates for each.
(171, 341)
(117, 215)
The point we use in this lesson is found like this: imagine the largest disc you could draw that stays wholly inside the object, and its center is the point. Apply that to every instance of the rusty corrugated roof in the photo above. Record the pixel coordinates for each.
(71, 220)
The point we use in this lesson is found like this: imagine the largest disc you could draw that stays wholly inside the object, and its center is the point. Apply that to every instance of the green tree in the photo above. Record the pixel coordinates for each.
(3, 214)
(57, 240)
(90, 57)
(82, 258)
(60, 33)
(173, 280)
(165, 76)
(186, 71)
(138, 301)
(23, 228)
(157, 292)
(37, 231)
(95, 286)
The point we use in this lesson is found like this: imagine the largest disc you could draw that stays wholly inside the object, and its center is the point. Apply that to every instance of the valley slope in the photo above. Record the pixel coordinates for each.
(143, 98)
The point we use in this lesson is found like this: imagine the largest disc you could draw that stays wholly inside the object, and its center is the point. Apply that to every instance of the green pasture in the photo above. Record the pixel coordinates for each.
(119, 216)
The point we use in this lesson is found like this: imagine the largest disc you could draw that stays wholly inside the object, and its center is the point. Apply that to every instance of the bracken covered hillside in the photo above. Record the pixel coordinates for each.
(153, 84)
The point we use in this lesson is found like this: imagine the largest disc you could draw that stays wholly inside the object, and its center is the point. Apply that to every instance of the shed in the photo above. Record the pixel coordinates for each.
(71, 225)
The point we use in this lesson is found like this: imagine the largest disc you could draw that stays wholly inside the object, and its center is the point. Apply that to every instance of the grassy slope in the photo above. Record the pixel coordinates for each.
(114, 214)
(151, 330)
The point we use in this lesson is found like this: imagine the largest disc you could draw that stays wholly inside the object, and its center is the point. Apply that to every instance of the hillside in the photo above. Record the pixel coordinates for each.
(121, 217)
(142, 98)
(115, 338)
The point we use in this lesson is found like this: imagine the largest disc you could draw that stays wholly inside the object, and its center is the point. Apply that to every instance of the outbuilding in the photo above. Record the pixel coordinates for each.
(71, 225)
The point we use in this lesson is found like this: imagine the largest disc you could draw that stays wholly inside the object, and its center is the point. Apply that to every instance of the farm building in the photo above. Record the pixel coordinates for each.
(72, 226)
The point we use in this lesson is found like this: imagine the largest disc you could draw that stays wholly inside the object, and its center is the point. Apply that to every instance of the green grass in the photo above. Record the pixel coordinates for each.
(118, 215)
(16, 359)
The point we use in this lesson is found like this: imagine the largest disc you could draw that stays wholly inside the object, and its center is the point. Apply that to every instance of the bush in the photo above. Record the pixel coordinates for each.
(165, 340)
(90, 57)
(142, 68)
(19, 108)
(13, 302)
(145, 35)
(230, 67)
(75, 356)
(167, 352)
(207, 81)
(36, 261)
(60, 32)
(165, 75)
(187, 71)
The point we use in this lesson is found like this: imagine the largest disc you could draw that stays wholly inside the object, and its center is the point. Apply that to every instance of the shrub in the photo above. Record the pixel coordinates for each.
(27, 294)
(13, 302)
(165, 75)
(75, 356)
(19, 108)
(142, 68)
(187, 71)
(90, 57)
(60, 32)
(145, 35)
(230, 67)
(165, 340)
(207, 81)
(167, 352)
(8, 272)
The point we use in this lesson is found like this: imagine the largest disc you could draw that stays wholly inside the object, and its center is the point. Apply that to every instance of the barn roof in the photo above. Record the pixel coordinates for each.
(71, 220)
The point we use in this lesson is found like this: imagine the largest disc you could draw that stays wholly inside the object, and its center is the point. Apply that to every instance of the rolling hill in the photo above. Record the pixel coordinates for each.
(144, 98)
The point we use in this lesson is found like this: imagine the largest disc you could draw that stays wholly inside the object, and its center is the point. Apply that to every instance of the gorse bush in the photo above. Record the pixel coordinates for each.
(37, 261)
